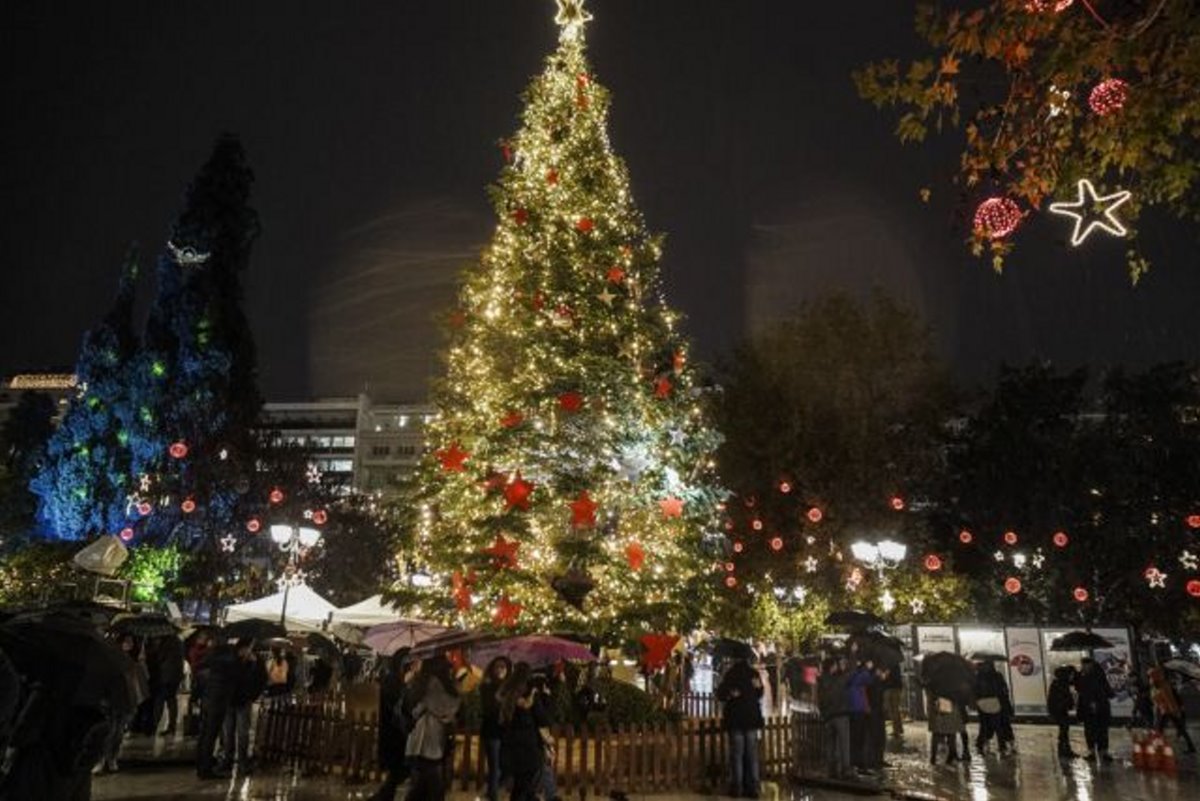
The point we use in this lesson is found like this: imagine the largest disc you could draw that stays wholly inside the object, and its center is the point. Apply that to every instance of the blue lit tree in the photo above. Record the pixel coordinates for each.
(84, 483)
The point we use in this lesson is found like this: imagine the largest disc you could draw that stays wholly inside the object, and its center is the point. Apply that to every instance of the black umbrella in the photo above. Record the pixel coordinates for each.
(90, 612)
(987, 656)
(72, 660)
(1184, 668)
(1079, 641)
(726, 648)
(253, 629)
(146, 624)
(854, 618)
(878, 648)
(948, 675)
(322, 645)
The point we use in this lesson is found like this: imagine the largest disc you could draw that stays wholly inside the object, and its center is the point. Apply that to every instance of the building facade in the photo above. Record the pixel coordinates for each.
(354, 442)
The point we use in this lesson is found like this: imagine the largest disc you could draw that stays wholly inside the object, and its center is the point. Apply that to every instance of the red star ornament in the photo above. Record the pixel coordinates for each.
(517, 492)
(552, 177)
(507, 613)
(570, 401)
(503, 552)
(615, 275)
(635, 555)
(583, 511)
(452, 458)
(671, 507)
(520, 216)
(512, 419)
(585, 225)
(662, 388)
(657, 649)
(462, 589)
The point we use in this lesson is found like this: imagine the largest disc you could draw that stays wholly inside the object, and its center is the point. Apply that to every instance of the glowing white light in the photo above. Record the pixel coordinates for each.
(309, 536)
(186, 256)
(1189, 560)
(571, 17)
(228, 543)
(865, 551)
(893, 551)
(887, 601)
(1019, 560)
(810, 564)
(280, 533)
(1092, 212)
(1156, 578)
(917, 606)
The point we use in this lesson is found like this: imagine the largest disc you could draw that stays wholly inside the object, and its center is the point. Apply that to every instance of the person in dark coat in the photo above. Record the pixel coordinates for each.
(220, 669)
(523, 740)
(893, 700)
(1059, 703)
(395, 722)
(741, 692)
(995, 708)
(1095, 708)
(833, 702)
(875, 737)
(433, 697)
(860, 679)
(250, 679)
(170, 676)
(489, 730)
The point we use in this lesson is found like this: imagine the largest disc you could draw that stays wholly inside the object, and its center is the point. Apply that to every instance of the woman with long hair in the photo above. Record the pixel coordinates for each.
(489, 731)
(435, 704)
(523, 743)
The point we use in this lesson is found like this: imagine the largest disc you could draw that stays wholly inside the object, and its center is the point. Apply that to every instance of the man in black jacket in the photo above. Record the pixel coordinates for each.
(833, 702)
(249, 681)
(1095, 708)
(219, 671)
(741, 691)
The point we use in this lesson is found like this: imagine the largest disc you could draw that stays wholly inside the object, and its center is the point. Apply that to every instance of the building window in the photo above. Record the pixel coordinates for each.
(381, 450)
(343, 442)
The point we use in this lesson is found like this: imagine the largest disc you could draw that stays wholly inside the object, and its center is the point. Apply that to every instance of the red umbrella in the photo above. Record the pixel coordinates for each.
(536, 650)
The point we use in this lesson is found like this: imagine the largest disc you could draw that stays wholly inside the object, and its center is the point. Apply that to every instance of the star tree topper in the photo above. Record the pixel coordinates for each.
(1092, 212)
(571, 17)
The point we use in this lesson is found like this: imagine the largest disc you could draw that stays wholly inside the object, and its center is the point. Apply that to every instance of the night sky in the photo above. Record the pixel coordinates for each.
(372, 129)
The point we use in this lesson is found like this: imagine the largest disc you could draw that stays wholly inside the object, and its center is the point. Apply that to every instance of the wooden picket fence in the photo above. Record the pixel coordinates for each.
(326, 738)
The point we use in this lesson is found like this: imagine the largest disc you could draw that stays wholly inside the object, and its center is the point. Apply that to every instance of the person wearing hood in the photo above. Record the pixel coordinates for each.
(1166, 704)
(1095, 708)
(741, 692)
(995, 708)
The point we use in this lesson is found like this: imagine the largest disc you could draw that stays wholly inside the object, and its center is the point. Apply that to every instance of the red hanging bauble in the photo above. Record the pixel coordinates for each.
(966, 537)
(552, 177)
(1080, 594)
(570, 401)
(897, 503)
(585, 225)
(933, 563)
(1010, 538)
(1060, 539)
(520, 216)
(777, 543)
(144, 508)
(1108, 96)
(1193, 588)
(506, 151)
(512, 419)
(662, 388)
(785, 486)
(1193, 521)
(738, 546)
(815, 515)
(320, 517)
(756, 524)
(276, 496)
(730, 582)
(1012, 585)
(126, 534)
(253, 525)
(188, 506)
(997, 217)
(178, 450)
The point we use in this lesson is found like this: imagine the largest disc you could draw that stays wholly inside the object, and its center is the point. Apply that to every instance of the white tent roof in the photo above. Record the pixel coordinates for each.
(305, 609)
(371, 612)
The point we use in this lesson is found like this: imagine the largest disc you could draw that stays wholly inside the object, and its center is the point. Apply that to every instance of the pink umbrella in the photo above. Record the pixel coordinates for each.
(537, 650)
(388, 638)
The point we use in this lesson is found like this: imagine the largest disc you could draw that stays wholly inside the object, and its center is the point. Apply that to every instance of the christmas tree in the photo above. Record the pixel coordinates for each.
(570, 483)
(84, 483)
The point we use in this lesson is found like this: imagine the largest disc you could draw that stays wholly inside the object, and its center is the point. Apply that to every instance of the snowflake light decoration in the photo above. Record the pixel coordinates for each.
(1038, 560)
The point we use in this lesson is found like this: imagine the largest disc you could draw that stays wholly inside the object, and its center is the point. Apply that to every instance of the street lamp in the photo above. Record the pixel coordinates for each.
(880, 556)
(292, 540)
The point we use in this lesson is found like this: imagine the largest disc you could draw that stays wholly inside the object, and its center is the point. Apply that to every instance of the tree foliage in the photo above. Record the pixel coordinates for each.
(1013, 78)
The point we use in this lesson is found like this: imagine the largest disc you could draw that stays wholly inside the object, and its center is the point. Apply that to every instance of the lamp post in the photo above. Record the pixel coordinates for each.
(291, 540)
(881, 557)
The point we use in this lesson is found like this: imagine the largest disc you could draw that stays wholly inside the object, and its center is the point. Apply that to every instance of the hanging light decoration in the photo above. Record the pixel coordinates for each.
(966, 537)
(1108, 96)
(1080, 594)
(178, 450)
(1061, 540)
(997, 217)
(1010, 538)
(815, 515)
(1012, 585)
(933, 563)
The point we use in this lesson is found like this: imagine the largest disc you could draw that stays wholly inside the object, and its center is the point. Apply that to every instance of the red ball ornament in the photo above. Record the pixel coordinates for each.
(178, 450)
(997, 217)
(897, 503)
(585, 225)
(1080, 594)
(1193, 521)
(126, 534)
(966, 537)
(144, 508)
(253, 525)
(933, 563)
(1193, 588)
(785, 487)
(552, 177)
(731, 582)
(1108, 96)
(1061, 540)
(815, 515)
(276, 496)
(1010, 538)
(188, 506)
(757, 525)
(1012, 585)
(320, 517)
(739, 546)
(730, 567)
(520, 216)
(570, 401)
(777, 543)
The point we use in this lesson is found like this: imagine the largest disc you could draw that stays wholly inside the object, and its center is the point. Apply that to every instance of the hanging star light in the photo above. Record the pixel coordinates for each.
(144, 483)
(998, 556)
(312, 473)
(1038, 560)
(677, 437)
(229, 543)
(887, 601)
(1189, 560)
(1155, 578)
(917, 606)
(607, 297)
(1092, 212)
(811, 564)
(572, 16)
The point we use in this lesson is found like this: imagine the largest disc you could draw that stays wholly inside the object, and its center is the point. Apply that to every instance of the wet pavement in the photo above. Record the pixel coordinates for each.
(158, 769)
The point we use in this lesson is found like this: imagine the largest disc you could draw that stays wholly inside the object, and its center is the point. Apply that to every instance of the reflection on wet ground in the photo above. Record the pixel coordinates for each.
(156, 770)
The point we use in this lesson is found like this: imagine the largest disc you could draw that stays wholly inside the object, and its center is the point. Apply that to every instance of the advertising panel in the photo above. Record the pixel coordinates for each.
(1117, 664)
(931, 639)
(1027, 671)
(984, 640)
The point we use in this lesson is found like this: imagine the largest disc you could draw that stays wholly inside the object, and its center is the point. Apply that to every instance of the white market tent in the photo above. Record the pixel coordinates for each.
(371, 612)
(306, 611)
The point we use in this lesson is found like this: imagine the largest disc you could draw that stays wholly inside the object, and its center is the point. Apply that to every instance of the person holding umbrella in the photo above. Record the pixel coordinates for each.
(435, 702)
(741, 692)
(249, 680)
(995, 708)
(219, 669)
(1095, 708)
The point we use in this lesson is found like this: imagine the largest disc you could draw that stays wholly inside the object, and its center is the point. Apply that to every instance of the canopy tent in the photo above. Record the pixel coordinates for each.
(371, 612)
(306, 611)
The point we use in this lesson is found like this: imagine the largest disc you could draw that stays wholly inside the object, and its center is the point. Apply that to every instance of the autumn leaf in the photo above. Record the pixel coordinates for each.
(949, 64)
